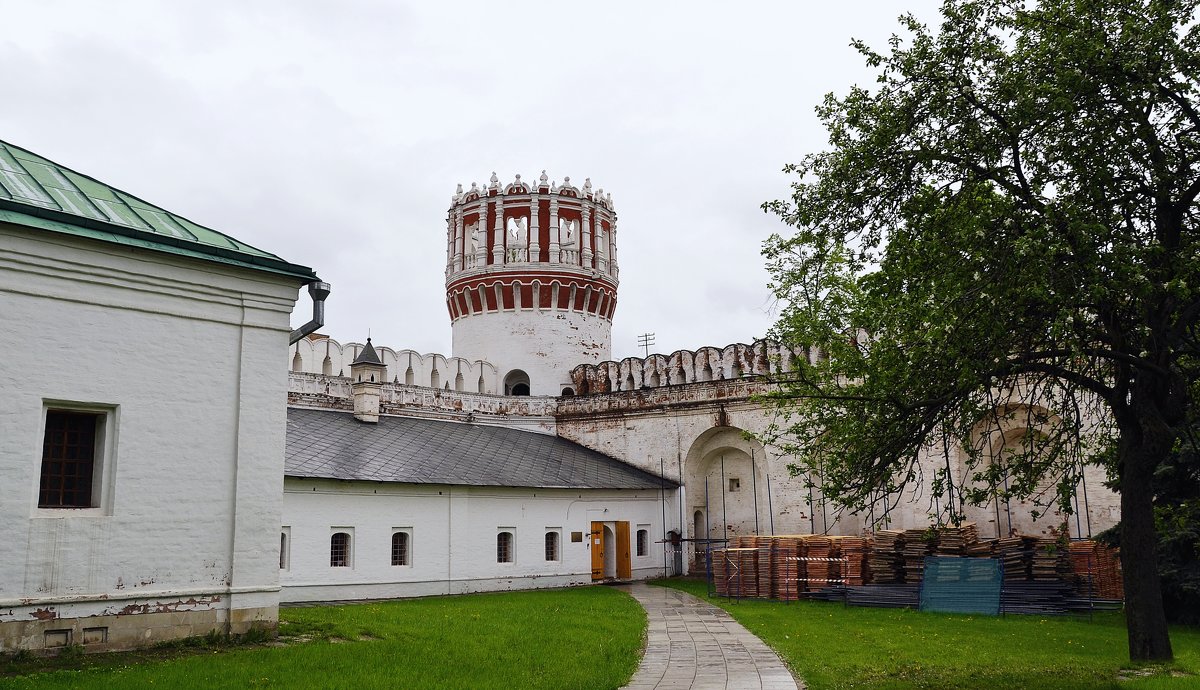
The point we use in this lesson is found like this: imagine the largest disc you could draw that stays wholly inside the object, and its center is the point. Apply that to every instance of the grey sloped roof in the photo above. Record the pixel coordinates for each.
(334, 445)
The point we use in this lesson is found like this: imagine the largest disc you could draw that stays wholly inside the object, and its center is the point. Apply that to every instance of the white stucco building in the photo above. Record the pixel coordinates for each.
(378, 504)
(142, 422)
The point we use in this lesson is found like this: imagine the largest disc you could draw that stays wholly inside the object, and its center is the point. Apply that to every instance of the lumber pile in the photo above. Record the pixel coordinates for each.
(817, 554)
(1050, 560)
(1097, 570)
(957, 541)
(787, 571)
(918, 543)
(735, 572)
(1014, 553)
(853, 550)
(886, 568)
(884, 560)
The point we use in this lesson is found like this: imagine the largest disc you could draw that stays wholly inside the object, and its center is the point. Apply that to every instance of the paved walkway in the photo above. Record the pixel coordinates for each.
(693, 644)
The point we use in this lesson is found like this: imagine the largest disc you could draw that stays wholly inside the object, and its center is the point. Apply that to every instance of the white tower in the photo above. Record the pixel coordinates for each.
(531, 280)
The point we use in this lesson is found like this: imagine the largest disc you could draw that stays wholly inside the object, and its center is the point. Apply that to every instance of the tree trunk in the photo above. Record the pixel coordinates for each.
(1145, 616)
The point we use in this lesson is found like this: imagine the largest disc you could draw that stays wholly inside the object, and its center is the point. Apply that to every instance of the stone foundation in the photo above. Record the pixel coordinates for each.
(112, 632)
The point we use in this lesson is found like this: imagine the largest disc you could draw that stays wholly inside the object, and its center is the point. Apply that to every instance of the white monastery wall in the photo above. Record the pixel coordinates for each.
(452, 537)
(528, 413)
(327, 357)
(688, 429)
(182, 358)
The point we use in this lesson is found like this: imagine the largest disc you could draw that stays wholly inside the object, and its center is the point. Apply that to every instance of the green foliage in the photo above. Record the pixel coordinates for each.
(1177, 524)
(998, 259)
(572, 638)
(831, 646)
(1179, 559)
(1004, 227)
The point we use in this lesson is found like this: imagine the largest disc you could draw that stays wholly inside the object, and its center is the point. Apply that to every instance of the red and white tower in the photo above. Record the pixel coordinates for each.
(531, 279)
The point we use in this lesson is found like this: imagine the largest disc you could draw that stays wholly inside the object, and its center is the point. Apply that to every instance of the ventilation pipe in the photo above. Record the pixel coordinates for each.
(318, 291)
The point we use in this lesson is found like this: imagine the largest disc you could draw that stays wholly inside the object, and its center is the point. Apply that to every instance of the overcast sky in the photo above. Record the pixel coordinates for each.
(333, 133)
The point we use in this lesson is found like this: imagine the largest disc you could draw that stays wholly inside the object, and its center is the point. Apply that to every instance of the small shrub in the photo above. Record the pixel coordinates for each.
(71, 652)
(257, 634)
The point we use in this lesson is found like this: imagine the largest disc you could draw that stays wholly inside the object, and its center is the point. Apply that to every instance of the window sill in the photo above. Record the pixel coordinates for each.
(59, 513)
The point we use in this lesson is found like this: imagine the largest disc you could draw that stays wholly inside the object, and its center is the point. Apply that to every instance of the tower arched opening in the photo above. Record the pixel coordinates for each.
(516, 383)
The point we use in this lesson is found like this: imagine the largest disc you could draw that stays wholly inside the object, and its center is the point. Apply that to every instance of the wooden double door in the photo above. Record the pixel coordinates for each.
(611, 539)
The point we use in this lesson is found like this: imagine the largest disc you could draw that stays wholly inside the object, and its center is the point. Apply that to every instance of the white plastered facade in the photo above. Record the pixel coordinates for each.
(181, 356)
(545, 345)
(453, 537)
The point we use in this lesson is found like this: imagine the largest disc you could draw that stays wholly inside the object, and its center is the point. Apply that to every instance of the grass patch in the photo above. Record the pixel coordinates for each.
(831, 646)
(569, 638)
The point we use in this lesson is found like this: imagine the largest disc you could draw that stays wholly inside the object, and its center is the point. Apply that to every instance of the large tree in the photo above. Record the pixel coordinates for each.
(1004, 224)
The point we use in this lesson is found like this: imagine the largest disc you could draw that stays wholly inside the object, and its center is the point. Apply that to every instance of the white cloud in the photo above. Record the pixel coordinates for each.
(334, 134)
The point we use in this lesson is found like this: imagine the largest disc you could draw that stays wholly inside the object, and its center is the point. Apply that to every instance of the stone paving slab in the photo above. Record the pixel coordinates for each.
(693, 645)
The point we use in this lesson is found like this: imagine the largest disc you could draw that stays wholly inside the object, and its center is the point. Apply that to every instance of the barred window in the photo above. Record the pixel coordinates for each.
(68, 459)
(504, 547)
(400, 548)
(339, 550)
(643, 542)
(552, 546)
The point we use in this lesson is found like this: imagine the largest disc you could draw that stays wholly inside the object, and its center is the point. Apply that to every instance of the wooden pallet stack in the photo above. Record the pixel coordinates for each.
(918, 543)
(787, 573)
(868, 548)
(884, 558)
(741, 573)
(984, 548)
(720, 572)
(1014, 554)
(763, 564)
(957, 541)
(817, 550)
(1050, 561)
(853, 549)
(1097, 570)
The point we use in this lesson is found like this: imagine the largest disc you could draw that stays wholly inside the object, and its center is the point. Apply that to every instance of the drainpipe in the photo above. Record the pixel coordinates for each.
(318, 291)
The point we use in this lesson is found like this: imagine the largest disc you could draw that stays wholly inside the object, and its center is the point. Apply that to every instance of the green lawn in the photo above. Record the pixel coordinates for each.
(833, 646)
(587, 637)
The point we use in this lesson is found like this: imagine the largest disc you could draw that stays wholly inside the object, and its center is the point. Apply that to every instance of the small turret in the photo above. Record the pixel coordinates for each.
(367, 372)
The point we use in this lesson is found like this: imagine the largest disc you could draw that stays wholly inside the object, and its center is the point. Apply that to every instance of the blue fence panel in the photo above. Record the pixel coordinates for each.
(962, 585)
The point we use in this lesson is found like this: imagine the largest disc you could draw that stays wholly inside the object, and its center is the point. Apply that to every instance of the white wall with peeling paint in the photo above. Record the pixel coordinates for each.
(184, 355)
(545, 344)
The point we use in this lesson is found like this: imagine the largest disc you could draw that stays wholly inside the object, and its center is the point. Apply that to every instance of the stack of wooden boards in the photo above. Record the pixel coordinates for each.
(1098, 568)
(788, 566)
(800, 565)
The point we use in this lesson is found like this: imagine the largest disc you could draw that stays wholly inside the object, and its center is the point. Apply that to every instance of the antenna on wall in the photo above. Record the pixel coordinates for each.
(645, 340)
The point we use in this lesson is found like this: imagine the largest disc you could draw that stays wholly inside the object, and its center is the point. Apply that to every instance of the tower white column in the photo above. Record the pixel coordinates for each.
(535, 248)
(501, 231)
(585, 236)
(554, 258)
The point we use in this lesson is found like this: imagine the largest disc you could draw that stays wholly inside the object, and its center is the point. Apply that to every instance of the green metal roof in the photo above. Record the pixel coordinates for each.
(39, 193)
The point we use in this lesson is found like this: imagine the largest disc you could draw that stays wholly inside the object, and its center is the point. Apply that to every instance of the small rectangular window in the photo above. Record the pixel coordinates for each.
(735, 484)
(70, 452)
(643, 542)
(552, 545)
